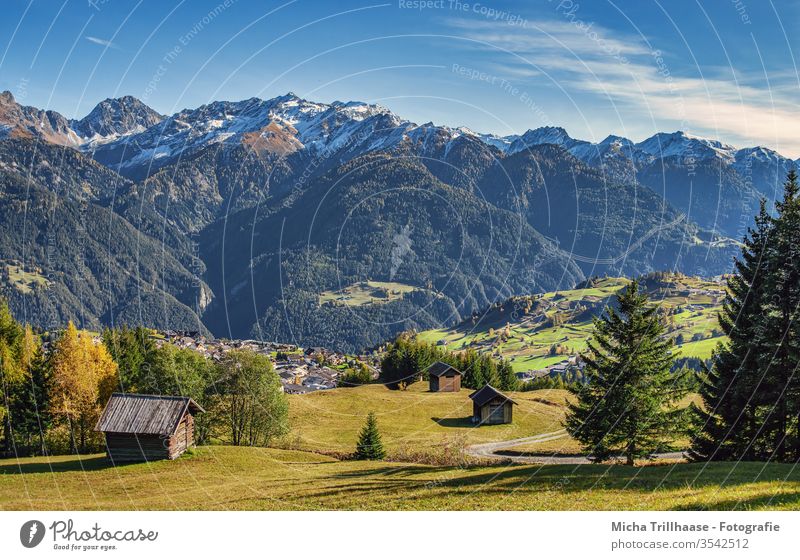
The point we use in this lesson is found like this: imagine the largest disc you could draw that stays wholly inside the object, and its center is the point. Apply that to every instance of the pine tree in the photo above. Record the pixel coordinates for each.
(29, 414)
(508, 379)
(369, 446)
(780, 356)
(133, 350)
(728, 425)
(628, 406)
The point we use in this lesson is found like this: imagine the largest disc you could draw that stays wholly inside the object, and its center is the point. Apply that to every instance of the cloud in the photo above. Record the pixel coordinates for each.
(102, 42)
(648, 90)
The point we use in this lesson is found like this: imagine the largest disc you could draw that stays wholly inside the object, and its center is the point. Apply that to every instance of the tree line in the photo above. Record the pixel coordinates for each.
(406, 359)
(53, 398)
(632, 405)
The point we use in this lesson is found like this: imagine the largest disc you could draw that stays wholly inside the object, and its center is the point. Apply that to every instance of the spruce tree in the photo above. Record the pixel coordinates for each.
(628, 406)
(752, 394)
(728, 424)
(369, 446)
(28, 412)
(780, 356)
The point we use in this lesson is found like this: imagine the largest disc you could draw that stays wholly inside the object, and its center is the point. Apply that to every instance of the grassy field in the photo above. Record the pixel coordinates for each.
(524, 331)
(412, 421)
(25, 281)
(366, 293)
(226, 478)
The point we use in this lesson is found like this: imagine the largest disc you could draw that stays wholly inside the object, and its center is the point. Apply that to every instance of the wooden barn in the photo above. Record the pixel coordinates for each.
(490, 406)
(147, 427)
(443, 378)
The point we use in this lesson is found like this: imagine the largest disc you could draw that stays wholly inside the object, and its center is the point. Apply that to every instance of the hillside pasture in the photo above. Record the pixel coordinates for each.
(366, 293)
(540, 331)
(412, 421)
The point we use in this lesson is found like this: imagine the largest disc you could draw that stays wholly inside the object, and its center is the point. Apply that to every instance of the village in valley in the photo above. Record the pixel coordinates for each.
(301, 370)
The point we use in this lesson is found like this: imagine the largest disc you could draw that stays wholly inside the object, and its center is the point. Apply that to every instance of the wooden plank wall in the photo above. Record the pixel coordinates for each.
(141, 447)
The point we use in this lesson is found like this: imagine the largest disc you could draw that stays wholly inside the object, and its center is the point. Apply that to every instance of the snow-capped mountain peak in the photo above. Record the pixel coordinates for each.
(681, 144)
(130, 137)
(113, 118)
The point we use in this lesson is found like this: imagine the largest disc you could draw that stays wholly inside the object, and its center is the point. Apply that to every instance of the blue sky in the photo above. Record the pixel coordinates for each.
(722, 69)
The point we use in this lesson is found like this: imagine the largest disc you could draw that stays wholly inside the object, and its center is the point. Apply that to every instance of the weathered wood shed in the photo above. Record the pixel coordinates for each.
(490, 406)
(443, 378)
(147, 427)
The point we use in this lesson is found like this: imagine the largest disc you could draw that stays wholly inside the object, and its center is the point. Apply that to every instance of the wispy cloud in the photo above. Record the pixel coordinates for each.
(643, 85)
(102, 42)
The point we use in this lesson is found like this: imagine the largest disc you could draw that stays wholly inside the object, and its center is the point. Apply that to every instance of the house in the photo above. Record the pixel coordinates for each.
(490, 406)
(147, 427)
(318, 383)
(296, 359)
(532, 374)
(294, 389)
(320, 378)
(443, 378)
(559, 369)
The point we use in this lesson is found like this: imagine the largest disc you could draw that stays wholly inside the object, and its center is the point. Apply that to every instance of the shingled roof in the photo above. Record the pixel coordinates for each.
(438, 369)
(487, 393)
(129, 413)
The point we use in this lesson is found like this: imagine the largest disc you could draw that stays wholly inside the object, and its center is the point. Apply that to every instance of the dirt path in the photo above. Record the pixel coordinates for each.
(495, 450)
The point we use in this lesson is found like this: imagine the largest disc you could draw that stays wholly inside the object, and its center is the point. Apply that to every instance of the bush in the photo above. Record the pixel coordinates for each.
(354, 376)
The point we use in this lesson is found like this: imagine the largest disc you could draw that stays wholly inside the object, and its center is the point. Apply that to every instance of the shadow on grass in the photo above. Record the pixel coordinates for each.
(465, 422)
(573, 479)
(399, 470)
(764, 501)
(56, 465)
(513, 453)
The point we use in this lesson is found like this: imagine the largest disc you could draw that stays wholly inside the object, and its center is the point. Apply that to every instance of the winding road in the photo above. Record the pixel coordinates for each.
(494, 450)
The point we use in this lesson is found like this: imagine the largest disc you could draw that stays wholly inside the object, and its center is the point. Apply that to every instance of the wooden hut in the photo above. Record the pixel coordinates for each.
(147, 427)
(490, 406)
(443, 378)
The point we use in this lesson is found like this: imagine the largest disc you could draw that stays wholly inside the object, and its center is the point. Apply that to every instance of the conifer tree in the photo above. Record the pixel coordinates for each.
(508, 379)
(369, 446)
(133, 350)
(628, 406)
(752, 394)
(29, 414)
(780, 356)
(728, 424)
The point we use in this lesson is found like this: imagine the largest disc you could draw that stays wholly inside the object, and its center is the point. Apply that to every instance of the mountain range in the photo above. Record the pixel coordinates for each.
(235, 216)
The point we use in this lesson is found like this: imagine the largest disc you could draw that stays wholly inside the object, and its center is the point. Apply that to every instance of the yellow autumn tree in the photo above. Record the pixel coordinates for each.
(83, 375)
(11, 371)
